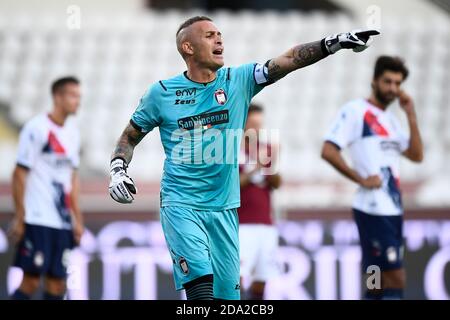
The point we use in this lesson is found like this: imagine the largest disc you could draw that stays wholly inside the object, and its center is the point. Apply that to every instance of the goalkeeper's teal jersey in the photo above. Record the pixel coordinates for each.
(201, 126)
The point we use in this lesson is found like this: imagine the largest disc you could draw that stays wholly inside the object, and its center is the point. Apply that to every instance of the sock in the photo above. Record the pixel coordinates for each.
(392, 294)
(200, 288)
(49, 296)
(372, 295)
(20, 295)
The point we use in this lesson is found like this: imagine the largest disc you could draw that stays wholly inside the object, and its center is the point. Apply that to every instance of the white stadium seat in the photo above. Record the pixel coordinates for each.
(117, 62)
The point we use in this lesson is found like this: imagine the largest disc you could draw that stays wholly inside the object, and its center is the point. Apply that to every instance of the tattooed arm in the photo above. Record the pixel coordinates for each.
(128, 140)
(121, 186)
(295, 58)
(305, 54)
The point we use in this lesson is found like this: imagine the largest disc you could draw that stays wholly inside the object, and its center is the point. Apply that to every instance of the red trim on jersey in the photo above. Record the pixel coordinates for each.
(374, 125)
(55, 145)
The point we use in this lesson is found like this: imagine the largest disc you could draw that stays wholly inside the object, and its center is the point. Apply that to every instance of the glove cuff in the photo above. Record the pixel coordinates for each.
(324, 48)
(332, 44)
(117, 164)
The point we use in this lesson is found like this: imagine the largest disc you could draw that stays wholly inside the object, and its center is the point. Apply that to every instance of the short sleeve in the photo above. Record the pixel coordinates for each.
(29, 146)
(253, 76)
(344, 129)
(147, 114)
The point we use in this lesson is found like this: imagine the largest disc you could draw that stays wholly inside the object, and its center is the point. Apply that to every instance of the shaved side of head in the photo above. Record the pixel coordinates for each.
(182, 37)
(184, 32)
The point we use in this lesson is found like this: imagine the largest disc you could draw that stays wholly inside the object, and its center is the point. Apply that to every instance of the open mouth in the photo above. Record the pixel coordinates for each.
(218, 52)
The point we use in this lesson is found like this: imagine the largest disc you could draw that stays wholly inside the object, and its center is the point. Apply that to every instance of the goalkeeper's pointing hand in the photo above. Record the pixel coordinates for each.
(121, 187)
(358, 40)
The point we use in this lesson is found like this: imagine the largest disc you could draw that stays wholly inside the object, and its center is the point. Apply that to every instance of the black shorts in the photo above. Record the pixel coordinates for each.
(44, 251)
(381, 239)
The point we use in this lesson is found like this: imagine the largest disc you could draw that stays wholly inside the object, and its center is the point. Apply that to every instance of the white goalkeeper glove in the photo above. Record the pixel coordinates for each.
(121, 186)
(358, 40)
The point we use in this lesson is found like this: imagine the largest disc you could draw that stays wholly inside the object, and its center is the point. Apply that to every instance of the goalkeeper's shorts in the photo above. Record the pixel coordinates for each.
(204, 242)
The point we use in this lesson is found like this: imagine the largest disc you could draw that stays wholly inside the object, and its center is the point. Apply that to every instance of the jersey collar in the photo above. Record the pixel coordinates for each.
(199, 83)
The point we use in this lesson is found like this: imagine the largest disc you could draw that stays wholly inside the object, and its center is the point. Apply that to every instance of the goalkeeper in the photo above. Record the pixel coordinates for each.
(194, 111)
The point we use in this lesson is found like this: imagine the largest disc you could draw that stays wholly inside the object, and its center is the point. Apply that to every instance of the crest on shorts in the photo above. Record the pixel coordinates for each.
(221, 96)
(391, 254)
(183, 265)
(65, 259)
(38, 259)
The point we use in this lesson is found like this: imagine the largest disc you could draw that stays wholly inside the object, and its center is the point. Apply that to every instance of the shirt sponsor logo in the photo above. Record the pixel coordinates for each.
(190, 93)
(186, 92)
(390, 145)
(180, 101)
(205, 120)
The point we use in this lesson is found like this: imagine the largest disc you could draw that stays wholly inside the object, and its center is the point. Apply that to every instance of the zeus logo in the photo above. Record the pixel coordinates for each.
(186, 92)
(179, 101)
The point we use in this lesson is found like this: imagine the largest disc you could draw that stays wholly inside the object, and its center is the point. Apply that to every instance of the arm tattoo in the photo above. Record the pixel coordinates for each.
(127, 141)
(275, 72)
(306, 54)
(298, 57)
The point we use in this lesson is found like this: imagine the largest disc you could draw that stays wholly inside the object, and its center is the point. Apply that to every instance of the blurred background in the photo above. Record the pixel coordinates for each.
(118, 48)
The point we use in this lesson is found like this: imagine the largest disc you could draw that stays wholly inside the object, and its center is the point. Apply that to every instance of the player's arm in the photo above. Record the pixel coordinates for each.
(332, 154)
(19, 179)
(306, 54)
(78, 221)
(415, 148)
(122, 186)
(274, 181)
(127, 142)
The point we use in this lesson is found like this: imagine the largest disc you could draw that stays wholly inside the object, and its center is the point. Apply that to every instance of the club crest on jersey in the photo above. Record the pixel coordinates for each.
(221, 96)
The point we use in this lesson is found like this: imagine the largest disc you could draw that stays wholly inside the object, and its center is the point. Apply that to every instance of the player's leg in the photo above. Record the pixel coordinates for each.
(248, 243)
(381, 243)
(224, 238)
(393, 275)
(28, 286)
(370, 251)
(55, 281)
(393, 283)
(189, 247)
(266, 264)
(55, 288)
(201, 288)
(32, 258)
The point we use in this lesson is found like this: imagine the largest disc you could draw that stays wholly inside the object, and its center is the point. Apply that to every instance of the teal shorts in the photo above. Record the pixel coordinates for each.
(203, 242)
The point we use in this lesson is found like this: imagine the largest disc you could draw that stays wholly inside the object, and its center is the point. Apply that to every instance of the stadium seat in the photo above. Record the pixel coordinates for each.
(117, 62)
